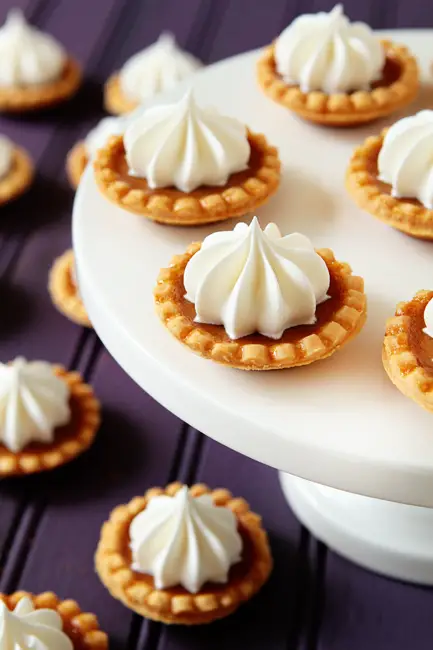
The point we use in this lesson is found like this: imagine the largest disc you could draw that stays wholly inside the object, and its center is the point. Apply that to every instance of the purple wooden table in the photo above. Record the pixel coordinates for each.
(49, 524)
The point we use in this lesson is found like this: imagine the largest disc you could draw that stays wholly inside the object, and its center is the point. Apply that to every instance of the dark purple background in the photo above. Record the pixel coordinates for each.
(49, 525)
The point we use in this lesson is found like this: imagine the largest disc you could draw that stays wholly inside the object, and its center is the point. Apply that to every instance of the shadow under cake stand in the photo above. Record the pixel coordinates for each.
(364, 452)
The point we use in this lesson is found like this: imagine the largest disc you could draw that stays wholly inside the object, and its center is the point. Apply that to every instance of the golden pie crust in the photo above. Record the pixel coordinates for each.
(207, 204)
(20, 99)
(19, 177)
(374, 196)
(407, 352)
(70, 440)
(115, 100)
(310, 343)
(176, 604)
(81, 627)
(63, 290)
(76, 163)
(344, 109)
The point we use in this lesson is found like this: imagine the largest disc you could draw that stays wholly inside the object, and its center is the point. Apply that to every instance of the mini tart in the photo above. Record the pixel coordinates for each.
(397, 88)
(70, 440)
(243, 193)
(63, 290)
(407, 352)
(374, 196)
(81, 627)
(19, 178)
(339, 319)
(20, 99)
(115, 100)
(76, 163)
(176, 605)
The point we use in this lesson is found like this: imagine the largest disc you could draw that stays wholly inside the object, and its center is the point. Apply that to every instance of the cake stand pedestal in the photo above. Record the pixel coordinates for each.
(338, 423)
(390, 538)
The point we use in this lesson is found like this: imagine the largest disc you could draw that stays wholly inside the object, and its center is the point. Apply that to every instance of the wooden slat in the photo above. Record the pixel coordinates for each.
(135, 449)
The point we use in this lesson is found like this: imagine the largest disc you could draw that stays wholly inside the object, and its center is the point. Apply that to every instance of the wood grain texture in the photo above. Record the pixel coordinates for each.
(49, 524)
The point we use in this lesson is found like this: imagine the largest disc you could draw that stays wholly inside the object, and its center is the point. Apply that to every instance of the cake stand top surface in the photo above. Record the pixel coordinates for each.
(339, 422)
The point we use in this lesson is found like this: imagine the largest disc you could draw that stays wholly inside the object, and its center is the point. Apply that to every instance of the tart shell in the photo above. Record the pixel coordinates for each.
(19, 178)
(115, 100)
(269, 355)
(342, 109)
(63, 291)
(81, 627)
(411, 217)
(39, 457)
(399, 361)
(176, 605)
(76, 163)
(187, 209)
(20, 99)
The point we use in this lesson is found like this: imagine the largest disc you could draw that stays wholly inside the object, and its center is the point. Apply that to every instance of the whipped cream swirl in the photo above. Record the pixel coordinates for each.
(428, 319)
(27, 627)
(185, 540)
(156, 69)
(6, 153)
(253, 280)
(27, 56)
(186, 146)
(406, 158)
(98, 136)
(33, 402)
(326, 52)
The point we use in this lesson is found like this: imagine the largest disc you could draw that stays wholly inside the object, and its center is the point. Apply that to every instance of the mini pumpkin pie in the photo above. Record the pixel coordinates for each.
(16, 171)
(48, 416)
(408, 348)
(85, 150)
(255, 300)
(151, 71)
(64, 291)
(45, 622)
(391, 175)
(36, 72)
(337, 73)
(182, 165)
(183, 555)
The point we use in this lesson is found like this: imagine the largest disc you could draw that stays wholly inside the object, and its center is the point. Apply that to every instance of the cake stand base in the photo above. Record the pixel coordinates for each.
(390, 538)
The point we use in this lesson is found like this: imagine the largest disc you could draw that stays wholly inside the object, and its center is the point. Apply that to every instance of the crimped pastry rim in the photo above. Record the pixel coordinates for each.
(69, 304)
(341, 108)
(218, 205)
(412, 219)
(85, 624)
(19, 178)
(274, 355)
(162, 605)
(76, 163)
(400, 362)
(115, 100)
(57, 453)
(32, 98)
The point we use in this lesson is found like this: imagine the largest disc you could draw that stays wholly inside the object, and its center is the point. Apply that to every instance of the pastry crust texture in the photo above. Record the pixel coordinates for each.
(185, 210)
(270, 355)
(63, 292)
(409, 216)
(19, 178)
(115, 100)
(76, 163)
(343, 109)
(20, 99)
(60, 451)
(173, 605)
(81, 627)
(399, 360)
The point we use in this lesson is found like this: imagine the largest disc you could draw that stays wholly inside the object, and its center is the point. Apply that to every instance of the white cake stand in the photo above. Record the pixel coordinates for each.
(340, 422)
